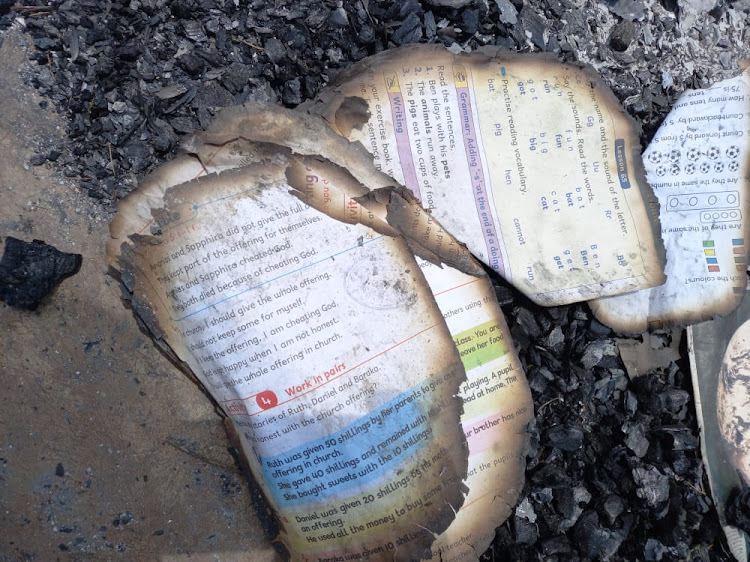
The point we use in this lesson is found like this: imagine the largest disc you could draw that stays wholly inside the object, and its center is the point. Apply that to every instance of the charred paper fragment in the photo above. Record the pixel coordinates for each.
(720, 365)
(654, 351)
(497, 404)
(320, 341)
(738, 509)
(699, 167)
(733, 400)
(30, 270)
(530, 162)
(496, 400)
(306, 135)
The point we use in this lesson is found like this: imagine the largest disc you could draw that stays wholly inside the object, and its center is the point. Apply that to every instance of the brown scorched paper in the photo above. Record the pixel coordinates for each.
(530, 162)
(496, 401)
(497, 404)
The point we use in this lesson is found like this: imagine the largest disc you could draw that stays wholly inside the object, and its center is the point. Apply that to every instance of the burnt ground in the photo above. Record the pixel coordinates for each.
(615, 470)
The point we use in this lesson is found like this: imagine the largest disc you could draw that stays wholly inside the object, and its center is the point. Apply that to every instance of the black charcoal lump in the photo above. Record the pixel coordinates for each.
(30, 270)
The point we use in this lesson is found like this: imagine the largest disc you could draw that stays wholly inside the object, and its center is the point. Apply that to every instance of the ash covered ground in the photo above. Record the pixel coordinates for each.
(614, 471)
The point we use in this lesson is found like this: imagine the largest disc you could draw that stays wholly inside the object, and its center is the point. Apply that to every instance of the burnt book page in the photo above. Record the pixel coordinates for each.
(497, 409)
(699, 166)
(530, 162)
(321, 341)
(497, 403)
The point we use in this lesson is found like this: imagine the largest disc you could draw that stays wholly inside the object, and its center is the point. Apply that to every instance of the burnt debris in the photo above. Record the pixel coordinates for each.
(133, 76)
(30, 270)
(614, 467)
(615, 471)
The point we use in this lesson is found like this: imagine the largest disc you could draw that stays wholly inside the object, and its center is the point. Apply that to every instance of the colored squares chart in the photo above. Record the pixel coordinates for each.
(710, 253)
(738, 251)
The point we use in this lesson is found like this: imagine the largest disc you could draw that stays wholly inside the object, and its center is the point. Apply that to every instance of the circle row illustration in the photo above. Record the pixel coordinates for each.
(692, 154)
(704, 167)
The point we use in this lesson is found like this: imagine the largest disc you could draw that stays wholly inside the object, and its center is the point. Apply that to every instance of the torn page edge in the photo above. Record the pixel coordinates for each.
(308, 135)
(135, 211)
(402, 216)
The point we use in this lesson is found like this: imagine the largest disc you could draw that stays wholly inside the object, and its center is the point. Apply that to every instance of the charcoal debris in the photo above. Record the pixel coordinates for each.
(525, 510)
(37, 160)
(30, 270)
(628, 10)
(533, 27)
(622, 35)
(738, 508)
(527, 322)
(274, 50)
(507, 13)
(616, 472)
(526, 531)
(636, 439)
(614, 469)
(597, 542)
(565, 437)
(597, 352)
(653, 486)
(613, 507)
(410, 30)
(654, 550)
